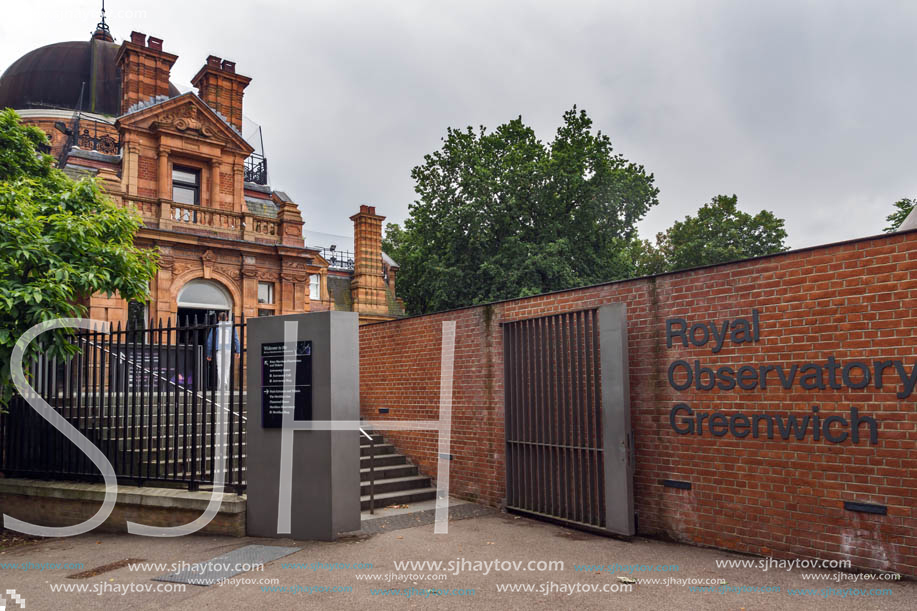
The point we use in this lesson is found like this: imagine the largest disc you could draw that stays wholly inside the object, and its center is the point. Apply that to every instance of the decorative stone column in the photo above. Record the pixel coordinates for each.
(249, 287)
(368, 287)
(215, 183)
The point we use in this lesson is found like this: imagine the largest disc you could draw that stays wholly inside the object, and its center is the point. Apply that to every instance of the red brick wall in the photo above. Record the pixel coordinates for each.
(776, 497)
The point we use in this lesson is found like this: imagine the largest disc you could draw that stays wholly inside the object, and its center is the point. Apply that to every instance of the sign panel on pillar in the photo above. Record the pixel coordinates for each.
(316, 377)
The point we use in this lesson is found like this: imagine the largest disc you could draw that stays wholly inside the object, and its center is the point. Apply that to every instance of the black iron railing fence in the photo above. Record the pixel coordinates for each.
(256, 169)
(148, 398)
(338, 259)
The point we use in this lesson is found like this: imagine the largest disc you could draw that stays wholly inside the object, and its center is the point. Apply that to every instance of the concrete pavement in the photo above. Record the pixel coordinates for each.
(484, 539)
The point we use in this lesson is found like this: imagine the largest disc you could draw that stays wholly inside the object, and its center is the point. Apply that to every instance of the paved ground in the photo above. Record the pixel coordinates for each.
(480, 538)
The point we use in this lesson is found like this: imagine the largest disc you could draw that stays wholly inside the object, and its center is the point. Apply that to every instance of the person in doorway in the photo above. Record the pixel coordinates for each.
(218, 344)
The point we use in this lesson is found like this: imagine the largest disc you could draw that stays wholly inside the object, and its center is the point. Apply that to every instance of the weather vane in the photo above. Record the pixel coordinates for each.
(102, 26)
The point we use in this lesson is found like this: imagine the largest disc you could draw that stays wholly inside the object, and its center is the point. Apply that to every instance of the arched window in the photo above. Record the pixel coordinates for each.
(204, 295)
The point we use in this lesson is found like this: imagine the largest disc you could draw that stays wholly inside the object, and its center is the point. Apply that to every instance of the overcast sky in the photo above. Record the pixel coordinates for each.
(807, 109)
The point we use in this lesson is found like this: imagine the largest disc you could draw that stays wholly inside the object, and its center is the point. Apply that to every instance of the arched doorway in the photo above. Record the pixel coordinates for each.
(200, 300)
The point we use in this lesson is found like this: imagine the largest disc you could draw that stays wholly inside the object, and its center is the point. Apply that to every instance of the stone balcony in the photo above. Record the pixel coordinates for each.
(172, 216)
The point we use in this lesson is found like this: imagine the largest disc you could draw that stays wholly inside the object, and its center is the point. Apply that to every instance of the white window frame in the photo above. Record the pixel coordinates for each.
(270, 293)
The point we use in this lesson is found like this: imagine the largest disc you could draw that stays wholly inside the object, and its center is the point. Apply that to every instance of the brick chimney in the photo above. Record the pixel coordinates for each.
(221, 88)
(145, 69)
(367, 288)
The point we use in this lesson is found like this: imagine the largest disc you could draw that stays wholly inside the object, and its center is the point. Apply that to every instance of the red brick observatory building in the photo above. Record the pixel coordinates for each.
(227, 239)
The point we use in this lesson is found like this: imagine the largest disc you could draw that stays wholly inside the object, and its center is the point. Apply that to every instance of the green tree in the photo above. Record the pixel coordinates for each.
(647, 258)
(502, 215)
(60, 242)
(903, 207)
(719, 233)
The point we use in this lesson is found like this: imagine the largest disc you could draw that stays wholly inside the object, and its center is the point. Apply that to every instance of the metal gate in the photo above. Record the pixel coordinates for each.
(567, 423)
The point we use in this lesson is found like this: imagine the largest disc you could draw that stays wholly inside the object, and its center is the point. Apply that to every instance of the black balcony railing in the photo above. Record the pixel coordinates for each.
(256, 169)
(104, 143)
(338, 259)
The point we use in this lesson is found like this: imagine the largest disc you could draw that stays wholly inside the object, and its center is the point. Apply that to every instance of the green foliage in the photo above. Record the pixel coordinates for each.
(502, 215)
(719, 233)
(647, 259)
(60, 242)
(903, 207)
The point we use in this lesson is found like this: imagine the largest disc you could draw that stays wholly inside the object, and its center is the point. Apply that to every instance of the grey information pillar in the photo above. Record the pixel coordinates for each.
(325, 497)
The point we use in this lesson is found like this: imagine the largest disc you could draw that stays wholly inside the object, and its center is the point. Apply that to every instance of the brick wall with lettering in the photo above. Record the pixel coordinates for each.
(854, 301)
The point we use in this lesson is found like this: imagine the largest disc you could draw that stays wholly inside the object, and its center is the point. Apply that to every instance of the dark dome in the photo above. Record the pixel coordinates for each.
(51, 77)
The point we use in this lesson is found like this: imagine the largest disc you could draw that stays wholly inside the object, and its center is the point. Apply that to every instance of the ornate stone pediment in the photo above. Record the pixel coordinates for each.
(185, 114)
(187, 119)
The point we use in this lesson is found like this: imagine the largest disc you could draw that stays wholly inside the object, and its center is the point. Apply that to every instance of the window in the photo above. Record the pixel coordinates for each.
(264, 312)
(204, 295)
(136, 320)
(315, 287)
(266, 293)
(186, 186)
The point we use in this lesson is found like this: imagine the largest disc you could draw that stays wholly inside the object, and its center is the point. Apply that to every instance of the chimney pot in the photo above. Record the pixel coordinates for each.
(220, 87)
(138, 38)
(154, 43)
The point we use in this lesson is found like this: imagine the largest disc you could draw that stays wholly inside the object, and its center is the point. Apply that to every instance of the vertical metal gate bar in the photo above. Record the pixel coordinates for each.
(548, 448)
(107, 384)
(568, 411)
(214, 384)
(242, 356)
(594, 455)
(113, 404)
(80, 382)
(159, 387)
(552, 416)
(97, 387)
(587, 418)
(539, 409)
(508, 414)
(92, 411)
(530, 417)
(228, 414)
(584, 411)
(146, 387)
(519, 415)
(576, 391)
(590, 419)
(562, 417)
(132, 389)
(45, 433)
(545, 419)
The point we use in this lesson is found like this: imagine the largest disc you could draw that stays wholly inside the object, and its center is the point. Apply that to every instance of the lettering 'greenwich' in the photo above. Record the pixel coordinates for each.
(829, 373)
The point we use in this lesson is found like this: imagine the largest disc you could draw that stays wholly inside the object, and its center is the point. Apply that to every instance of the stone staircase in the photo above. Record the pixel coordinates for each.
(155, 442)
(397, 480)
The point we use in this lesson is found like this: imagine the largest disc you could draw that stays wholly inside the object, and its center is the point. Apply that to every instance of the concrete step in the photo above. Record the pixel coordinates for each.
(383, 448)
(401, 497)
(383, 460)
(389, 471)
(364, 442)
(395, 484)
